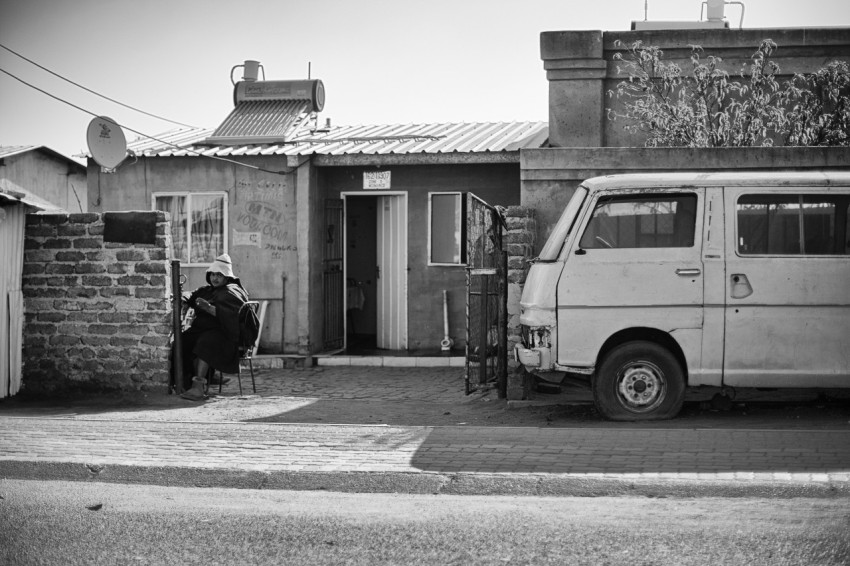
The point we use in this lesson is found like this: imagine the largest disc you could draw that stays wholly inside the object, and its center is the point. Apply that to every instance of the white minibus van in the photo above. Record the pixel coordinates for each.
(652, 283)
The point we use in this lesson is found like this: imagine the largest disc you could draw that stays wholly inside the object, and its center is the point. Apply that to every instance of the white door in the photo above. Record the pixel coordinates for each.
(787, 287)
(11, 299)
(392, 272)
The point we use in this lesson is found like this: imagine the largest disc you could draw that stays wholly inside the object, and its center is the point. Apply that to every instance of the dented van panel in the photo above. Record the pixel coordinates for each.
(663, 281)
(538, 317)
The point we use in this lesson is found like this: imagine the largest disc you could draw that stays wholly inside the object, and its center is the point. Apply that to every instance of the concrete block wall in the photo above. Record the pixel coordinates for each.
(551, 175)
(581, 70)
(98, 314)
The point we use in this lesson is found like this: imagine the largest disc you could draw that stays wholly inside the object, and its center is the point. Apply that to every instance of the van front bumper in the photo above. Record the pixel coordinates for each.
(534, 358)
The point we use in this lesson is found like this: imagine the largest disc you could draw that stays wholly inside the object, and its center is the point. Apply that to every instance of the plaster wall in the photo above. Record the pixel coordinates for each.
(550, 176)
(497, 184)
(56, 181)
(581, 71)
(262, 227)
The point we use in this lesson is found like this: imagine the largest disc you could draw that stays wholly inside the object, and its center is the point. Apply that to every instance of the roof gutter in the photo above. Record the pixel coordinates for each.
(454, 158)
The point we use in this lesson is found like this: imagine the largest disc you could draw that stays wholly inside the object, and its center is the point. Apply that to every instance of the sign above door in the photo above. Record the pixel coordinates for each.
(373, 180)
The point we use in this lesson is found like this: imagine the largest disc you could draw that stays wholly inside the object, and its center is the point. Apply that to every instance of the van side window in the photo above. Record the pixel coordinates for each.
(793, 224)
(651, 221)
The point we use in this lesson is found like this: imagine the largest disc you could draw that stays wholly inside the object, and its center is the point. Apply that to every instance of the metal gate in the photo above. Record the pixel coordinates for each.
(486, 298)
(332, 287)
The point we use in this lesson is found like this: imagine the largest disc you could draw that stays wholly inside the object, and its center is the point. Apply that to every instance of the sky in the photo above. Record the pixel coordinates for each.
(381, 61)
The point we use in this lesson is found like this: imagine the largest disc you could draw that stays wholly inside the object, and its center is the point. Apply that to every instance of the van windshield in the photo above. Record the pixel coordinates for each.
(562, 229)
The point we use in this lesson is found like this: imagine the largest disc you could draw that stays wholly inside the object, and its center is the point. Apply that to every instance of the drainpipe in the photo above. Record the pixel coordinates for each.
(446, 343)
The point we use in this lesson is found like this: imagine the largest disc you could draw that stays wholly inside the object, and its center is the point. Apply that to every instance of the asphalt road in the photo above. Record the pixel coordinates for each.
(69, 523)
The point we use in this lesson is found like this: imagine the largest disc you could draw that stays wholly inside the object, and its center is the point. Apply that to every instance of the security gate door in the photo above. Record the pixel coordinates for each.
(486, 298)
(334, 324)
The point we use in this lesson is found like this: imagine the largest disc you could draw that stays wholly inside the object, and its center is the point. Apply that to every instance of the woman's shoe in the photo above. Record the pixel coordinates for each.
(196, 393)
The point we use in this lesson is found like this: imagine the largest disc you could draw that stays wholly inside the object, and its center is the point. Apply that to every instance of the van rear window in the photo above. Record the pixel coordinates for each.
(665, 220)
(793, 224)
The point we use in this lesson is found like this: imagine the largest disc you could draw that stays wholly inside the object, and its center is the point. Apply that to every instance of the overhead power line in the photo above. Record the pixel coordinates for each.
(91, 91)
(198, 153)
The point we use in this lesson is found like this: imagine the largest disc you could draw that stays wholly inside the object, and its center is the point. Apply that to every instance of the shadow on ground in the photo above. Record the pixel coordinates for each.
(480, 409)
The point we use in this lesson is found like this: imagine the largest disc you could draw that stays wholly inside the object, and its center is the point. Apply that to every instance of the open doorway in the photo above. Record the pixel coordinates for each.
(376, 271)
(361, 261)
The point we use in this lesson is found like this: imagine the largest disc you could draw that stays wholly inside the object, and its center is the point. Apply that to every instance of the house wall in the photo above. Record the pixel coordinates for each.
(550, 176)
(581, 71)
(264, 230)
(97, 315)
(55, 180)
(497, 184)
(275, 231)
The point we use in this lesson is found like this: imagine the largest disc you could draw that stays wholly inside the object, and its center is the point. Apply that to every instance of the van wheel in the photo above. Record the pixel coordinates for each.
(639, 381)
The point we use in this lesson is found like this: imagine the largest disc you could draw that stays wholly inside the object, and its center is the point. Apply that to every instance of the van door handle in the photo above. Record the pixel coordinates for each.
(687, 272)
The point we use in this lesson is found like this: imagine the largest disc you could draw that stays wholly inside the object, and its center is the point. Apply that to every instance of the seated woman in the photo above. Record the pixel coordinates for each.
(211, 342)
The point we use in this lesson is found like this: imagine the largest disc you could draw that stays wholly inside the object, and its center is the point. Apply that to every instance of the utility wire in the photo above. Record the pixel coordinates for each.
(91, 91)
(198, 153)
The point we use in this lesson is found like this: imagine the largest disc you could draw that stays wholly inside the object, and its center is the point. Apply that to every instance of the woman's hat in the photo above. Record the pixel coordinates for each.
(223, 265)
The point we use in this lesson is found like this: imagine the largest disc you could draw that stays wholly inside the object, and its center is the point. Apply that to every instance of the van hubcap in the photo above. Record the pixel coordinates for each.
(641, 386)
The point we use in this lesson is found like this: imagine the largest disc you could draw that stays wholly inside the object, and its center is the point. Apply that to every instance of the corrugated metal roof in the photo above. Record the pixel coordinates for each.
(13, 150)
(442, 138)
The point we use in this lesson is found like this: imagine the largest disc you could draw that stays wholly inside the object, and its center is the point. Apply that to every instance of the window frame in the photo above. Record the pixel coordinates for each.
(641, 194)
(460, 231)
(188, 195)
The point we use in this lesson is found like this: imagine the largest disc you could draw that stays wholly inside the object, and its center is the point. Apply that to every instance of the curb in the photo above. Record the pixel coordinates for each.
(434, 483)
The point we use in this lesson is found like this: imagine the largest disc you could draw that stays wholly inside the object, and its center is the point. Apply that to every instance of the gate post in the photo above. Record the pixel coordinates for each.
(502, 297)
(176, 385)
(482, 331)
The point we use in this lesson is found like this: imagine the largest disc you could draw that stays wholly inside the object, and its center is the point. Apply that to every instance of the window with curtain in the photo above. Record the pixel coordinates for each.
(197, 224)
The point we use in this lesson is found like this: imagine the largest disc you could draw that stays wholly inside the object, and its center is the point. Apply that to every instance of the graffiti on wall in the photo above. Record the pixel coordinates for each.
(261, 223)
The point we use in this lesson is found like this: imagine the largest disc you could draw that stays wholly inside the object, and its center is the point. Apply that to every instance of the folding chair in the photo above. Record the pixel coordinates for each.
(246, 354)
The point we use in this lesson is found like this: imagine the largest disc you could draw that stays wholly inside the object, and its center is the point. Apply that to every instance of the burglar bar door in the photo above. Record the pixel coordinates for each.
(332, 276)
(486, 298)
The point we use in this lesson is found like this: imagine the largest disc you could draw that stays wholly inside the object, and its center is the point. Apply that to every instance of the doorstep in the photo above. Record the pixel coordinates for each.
(391, 361)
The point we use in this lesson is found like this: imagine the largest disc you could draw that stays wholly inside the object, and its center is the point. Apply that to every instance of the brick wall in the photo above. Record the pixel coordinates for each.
(519, 242)
(98, 315)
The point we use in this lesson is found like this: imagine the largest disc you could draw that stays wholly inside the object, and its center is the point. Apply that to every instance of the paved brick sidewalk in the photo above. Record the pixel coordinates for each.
(439, 384)
(432, 459)
(133, 446)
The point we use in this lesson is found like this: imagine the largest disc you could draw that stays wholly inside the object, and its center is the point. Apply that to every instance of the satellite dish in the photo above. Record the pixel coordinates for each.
(107, 143)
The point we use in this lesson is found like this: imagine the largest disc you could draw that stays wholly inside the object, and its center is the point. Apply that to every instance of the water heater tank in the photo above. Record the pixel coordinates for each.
(715, 9)
(307, 90)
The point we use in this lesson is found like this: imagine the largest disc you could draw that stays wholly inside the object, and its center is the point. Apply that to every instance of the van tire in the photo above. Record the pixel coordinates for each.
(639, 381)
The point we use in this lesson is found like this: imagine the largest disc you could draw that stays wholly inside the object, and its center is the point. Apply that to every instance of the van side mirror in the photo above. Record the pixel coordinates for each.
(580, 251)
